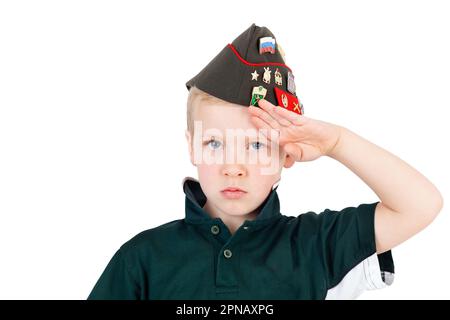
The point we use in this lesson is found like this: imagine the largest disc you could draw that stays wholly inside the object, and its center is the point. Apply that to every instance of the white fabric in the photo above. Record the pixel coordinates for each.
(365, 276)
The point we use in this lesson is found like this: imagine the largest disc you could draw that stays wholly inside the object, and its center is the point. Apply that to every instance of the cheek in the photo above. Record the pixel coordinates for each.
(268, 168)
(263, 181)
(207, 172)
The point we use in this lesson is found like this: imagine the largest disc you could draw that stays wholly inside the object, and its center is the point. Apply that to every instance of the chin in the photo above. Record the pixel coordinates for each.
(236, 210)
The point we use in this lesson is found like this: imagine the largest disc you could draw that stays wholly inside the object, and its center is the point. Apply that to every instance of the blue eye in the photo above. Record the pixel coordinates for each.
(257, 145)
(214, 144)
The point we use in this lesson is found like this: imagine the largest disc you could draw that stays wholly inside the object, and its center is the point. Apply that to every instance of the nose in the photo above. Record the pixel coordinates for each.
(234, 170)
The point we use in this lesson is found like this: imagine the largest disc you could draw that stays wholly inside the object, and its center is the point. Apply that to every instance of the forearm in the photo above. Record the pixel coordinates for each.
(398, 185)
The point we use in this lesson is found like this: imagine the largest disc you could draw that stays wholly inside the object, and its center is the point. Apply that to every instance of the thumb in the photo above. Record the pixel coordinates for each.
(294, 150)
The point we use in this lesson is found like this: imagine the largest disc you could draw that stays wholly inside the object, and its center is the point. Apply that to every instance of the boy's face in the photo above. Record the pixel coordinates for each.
(229, 151)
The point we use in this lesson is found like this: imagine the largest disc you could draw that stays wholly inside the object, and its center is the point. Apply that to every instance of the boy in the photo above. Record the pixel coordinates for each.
(233, 242)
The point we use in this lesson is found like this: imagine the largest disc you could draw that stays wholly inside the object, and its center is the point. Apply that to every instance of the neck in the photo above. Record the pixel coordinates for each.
(233, 222)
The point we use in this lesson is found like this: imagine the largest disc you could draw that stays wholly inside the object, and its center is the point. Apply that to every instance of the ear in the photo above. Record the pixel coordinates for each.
(288, 161)
(189, 142)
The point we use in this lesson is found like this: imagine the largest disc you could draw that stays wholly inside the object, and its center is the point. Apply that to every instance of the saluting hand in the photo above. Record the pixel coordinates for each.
(305, 139)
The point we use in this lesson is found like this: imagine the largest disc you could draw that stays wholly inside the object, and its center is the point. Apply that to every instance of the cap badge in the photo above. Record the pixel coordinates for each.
(257, 94)
(284, 100)
(255, 75)
(278, 79)
(291, 83)
(287, 100)
(266, 44)
(266, 76)
(296, 108)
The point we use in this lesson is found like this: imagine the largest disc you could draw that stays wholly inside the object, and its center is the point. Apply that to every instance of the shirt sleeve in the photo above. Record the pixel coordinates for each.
(116, 282)
(348, 252)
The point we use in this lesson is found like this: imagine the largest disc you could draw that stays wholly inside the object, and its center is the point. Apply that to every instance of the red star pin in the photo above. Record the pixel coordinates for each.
(287, 101)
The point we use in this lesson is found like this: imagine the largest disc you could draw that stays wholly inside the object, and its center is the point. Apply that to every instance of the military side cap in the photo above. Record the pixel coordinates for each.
(250, 68)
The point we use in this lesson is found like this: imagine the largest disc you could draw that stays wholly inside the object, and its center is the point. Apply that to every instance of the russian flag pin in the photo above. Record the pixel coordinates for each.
(266, 44)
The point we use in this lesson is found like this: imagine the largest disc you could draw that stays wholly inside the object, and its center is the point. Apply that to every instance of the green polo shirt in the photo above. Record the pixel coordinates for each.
(311, 256)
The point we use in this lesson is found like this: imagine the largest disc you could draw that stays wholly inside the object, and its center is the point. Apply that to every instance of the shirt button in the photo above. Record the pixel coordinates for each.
(227, 253)
(215, 229)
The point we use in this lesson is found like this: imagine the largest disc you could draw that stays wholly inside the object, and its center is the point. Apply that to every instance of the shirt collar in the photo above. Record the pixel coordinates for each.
(195, 199)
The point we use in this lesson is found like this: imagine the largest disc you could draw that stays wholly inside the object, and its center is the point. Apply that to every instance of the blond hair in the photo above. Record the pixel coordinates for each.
(195, 98)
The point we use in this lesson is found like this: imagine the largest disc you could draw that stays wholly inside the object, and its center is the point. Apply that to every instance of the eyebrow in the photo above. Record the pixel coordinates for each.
(213, 137)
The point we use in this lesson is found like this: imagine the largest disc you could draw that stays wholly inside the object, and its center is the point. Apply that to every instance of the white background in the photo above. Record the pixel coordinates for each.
(92, 119)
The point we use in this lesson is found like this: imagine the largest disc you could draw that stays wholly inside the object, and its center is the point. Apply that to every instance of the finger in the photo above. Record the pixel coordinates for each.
(270, 109)
(267, 130)
(264, 116)
(291, 116)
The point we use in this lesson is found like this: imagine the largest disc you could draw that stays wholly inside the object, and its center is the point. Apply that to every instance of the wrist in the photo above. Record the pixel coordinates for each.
(340, 141)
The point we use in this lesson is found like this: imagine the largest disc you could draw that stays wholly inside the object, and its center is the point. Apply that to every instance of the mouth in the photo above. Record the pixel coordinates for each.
(233, 193)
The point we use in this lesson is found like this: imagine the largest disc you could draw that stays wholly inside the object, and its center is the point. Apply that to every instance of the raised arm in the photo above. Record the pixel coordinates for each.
(409, 201)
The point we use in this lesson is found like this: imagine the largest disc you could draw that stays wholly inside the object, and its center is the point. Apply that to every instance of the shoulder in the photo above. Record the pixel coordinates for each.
(323, 222)
(159, 236)
(315, 219)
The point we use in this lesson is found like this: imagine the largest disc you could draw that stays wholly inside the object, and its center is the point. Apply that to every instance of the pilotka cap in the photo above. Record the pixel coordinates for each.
(252, 67)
